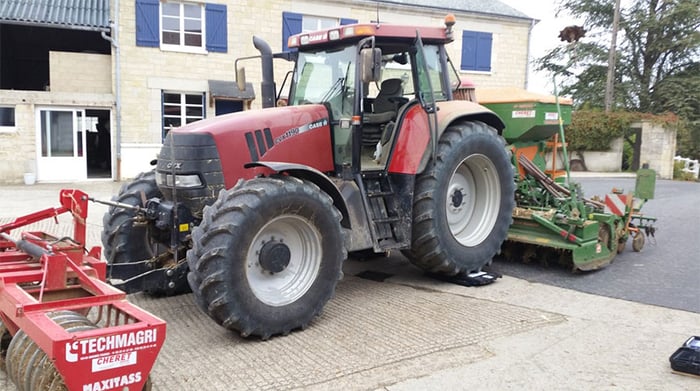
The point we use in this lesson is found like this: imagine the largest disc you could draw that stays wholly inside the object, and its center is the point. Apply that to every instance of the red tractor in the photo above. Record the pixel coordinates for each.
(256, 211)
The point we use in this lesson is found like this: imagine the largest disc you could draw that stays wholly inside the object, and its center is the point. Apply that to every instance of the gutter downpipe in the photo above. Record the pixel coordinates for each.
(533, 22)
(114, 40)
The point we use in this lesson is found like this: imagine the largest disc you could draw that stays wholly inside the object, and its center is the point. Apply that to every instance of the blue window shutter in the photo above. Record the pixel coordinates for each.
(147, 23)
(469, 41)
(344, 21)
(476, 51)
(483, 52)
(217, 37)
(291, 24)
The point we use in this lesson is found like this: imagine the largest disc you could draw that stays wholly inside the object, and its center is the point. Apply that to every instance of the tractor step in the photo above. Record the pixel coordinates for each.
(382, 210)
(468, 279)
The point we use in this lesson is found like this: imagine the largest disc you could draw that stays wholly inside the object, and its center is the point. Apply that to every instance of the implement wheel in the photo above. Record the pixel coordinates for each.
(267, 256)
(463, 203)
(638, 241)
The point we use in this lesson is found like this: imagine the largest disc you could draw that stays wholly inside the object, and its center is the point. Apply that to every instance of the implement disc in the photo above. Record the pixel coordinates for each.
(29, 367)
(5, 338)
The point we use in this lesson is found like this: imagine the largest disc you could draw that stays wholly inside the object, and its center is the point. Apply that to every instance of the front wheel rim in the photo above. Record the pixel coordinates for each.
(299, 272)
(473, 200)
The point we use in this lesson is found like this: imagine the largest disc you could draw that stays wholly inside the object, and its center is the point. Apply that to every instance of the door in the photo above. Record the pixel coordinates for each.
(61, 145)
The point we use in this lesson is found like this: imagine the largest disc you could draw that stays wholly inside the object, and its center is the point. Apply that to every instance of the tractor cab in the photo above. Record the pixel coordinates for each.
(371, 78)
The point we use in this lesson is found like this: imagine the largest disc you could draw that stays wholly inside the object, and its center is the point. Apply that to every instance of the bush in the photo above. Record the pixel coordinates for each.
(680, 175)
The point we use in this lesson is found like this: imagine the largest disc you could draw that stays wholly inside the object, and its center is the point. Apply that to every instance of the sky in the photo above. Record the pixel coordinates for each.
(545, 36)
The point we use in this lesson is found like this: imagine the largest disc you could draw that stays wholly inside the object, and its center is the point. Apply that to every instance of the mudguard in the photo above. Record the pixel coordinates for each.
(412, 149)
(310, 174)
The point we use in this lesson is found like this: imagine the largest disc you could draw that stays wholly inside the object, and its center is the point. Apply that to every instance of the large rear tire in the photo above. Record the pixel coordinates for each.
(463, 202)
(267, 256)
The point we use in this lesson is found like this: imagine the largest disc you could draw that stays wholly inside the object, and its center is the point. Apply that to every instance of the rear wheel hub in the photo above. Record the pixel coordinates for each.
(274, 256)
(457, 198)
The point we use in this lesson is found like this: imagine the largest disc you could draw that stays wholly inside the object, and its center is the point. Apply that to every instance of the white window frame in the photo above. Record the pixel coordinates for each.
(12, 128)
(318, 21)
(202, 49)
(182, 105)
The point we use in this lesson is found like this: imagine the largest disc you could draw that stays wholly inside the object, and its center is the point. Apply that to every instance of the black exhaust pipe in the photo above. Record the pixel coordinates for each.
(267, 86)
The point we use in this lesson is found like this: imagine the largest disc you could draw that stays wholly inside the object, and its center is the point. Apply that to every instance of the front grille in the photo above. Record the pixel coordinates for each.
(186, 154)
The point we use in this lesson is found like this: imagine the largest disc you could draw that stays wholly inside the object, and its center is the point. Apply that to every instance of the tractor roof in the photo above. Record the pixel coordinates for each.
(353, 32)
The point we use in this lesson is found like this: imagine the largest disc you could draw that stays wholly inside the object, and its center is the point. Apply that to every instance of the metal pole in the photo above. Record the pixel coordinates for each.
(561, 131)
(610, 82)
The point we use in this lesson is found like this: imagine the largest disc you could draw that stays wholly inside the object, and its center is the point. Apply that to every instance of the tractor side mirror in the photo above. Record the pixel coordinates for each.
(371, 64)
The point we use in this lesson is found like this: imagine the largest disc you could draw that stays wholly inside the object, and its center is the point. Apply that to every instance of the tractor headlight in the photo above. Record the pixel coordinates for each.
(180, 180)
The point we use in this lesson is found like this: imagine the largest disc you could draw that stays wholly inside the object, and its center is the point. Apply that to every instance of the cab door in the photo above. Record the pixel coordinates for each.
(425, 92)
(418, 126)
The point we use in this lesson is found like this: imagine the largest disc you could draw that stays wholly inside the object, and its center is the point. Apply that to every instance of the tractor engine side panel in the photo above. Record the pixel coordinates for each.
(299, 134)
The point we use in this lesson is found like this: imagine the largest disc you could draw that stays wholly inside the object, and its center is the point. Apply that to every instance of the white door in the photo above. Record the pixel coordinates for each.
(61, 145)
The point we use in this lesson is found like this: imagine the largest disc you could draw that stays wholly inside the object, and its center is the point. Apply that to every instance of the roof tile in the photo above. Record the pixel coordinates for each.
(76, 14)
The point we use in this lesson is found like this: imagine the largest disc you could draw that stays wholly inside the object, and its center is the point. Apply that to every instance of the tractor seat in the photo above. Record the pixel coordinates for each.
(386, 104)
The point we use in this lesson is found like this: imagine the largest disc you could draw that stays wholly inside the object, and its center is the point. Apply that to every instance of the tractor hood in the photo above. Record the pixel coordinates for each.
(294, 134)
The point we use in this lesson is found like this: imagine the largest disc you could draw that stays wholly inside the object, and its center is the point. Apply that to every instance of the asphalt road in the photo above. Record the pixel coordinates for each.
(665, 273)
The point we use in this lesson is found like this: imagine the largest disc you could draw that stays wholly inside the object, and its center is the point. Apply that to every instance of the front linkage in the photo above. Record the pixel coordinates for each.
(166, 272)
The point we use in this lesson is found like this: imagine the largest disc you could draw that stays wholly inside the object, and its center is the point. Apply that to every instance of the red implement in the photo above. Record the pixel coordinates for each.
(67, 324)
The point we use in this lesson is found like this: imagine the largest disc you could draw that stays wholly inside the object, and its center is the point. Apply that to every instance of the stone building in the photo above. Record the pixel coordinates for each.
(88, 89)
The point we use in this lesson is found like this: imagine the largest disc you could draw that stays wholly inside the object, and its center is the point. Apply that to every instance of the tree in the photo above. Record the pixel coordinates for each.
(680, 93)
(658, 58)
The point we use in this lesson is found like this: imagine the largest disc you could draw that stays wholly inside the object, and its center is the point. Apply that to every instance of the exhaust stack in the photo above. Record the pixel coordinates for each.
(267, 86)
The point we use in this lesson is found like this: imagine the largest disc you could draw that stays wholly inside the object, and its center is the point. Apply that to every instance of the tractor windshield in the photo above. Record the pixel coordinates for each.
(326, 76)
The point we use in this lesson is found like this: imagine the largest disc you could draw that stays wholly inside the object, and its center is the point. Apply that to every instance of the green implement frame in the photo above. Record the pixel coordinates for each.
(552, 221)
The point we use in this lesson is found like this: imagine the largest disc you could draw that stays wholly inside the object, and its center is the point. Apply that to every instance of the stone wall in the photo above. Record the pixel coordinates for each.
(658, 148)
(80, 72)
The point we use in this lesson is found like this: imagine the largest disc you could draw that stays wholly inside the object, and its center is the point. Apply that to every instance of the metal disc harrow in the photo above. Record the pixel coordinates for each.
(61, 326)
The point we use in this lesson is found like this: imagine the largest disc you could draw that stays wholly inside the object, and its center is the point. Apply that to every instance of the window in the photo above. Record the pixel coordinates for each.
(174, 25)
(476, 51)
(313, 23)
(180, 108)
(182, 25)
(432, 66)
(7, 119)
(293, 23)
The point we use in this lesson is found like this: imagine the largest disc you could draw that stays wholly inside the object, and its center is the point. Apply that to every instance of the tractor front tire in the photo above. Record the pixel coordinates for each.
(123, 241)
(463, 201)
(267, 256)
